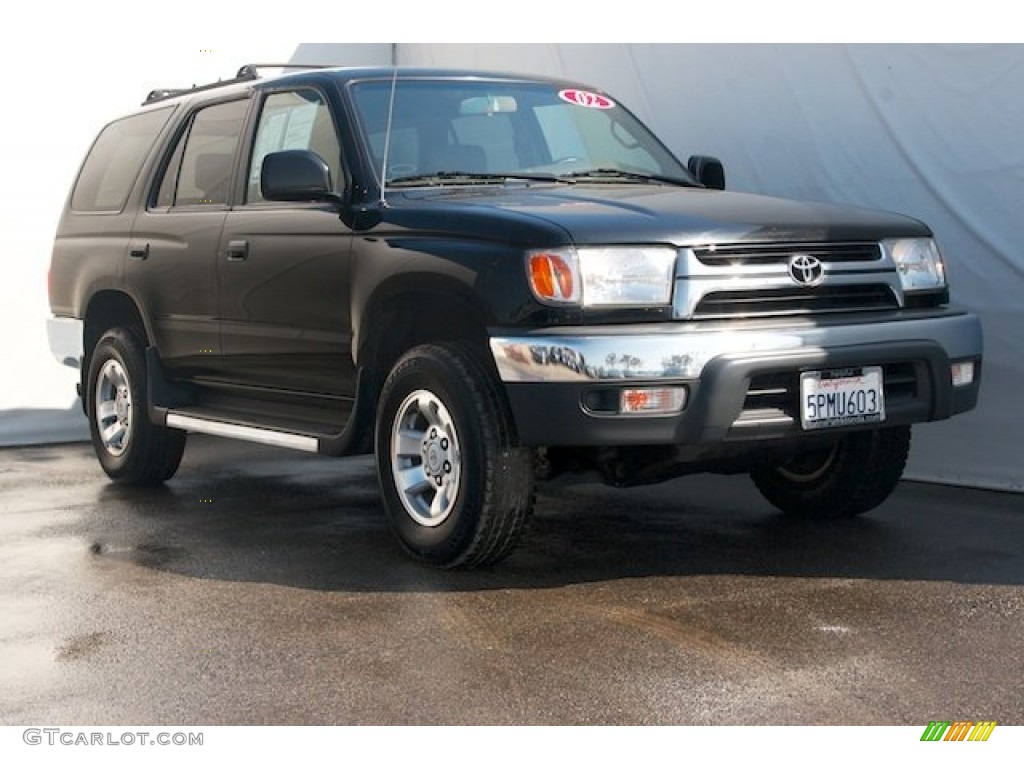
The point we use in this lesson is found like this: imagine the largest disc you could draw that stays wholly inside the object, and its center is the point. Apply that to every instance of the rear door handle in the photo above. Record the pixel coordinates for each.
(238, 250)
(140, 253)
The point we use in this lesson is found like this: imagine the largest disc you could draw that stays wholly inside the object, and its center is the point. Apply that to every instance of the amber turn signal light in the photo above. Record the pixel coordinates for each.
(552, 278)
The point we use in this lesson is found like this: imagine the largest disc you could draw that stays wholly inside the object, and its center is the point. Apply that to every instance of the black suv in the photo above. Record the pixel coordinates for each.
(487, 279)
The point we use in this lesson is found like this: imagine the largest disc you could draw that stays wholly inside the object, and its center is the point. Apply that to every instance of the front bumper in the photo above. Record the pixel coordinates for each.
(551, 374)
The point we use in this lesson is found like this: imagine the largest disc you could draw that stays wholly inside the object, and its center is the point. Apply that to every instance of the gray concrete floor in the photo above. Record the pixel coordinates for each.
(262, 587)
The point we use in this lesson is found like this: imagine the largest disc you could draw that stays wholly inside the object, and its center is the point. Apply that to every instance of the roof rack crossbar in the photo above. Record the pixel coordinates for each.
(252, 70)
(245, 73)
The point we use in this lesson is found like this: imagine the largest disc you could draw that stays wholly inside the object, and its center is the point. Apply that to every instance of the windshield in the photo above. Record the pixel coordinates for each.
(460, 128)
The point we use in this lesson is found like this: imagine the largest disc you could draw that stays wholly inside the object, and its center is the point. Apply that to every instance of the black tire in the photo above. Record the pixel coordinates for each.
(131, 449)
(852, 476)
(458, 490)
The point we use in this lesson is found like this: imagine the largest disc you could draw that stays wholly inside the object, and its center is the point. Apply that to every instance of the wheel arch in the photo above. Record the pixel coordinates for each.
(414, 310)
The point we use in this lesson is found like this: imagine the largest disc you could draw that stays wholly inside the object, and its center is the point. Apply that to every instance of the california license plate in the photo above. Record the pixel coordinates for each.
(841, 397)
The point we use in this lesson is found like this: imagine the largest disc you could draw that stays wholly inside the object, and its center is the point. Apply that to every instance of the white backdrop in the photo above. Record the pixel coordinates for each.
(932, 131)
(927, 130)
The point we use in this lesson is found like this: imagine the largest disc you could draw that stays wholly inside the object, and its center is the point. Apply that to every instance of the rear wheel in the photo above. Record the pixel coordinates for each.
(457, 488)
(130, 448)
(849, 477)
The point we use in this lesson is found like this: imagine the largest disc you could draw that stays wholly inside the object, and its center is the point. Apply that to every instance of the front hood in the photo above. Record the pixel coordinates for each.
(632, 213)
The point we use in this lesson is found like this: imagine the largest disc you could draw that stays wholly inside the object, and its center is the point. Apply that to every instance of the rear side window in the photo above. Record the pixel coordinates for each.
(115, 160)
(199, 171)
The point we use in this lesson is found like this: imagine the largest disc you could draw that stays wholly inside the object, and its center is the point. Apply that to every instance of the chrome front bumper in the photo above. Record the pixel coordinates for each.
(551, 376)
(683, 350)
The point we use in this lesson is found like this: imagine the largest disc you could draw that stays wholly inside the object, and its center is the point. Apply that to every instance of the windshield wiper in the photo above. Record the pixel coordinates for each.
(466, 177)
(617, 174)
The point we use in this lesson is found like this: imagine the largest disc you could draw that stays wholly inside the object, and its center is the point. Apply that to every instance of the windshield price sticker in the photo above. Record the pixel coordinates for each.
(586, 99)
(841, 398)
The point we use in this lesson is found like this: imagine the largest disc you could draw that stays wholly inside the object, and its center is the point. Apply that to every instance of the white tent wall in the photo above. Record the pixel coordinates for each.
(927, 130)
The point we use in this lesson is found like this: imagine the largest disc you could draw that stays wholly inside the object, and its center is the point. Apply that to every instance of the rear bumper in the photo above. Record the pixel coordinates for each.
(65, 335)
(551, 375)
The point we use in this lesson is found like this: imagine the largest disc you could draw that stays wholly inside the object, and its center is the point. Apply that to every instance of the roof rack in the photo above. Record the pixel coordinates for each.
(245, 73)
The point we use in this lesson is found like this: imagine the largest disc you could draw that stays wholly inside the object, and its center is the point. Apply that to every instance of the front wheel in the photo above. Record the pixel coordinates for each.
(457, 488)
(851, 476)
(130, 448)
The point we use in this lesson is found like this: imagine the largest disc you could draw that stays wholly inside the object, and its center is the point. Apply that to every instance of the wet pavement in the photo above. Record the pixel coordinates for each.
(261, 586)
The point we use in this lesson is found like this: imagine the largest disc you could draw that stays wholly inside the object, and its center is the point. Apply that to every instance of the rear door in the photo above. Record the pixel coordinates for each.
(172, 264)
(283, 268)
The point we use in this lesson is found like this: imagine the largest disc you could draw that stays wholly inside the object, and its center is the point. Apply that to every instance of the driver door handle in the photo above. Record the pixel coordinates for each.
(238, 250)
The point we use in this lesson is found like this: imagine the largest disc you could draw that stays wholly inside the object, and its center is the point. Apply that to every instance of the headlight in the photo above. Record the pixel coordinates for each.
(614, 276)
(918, 263)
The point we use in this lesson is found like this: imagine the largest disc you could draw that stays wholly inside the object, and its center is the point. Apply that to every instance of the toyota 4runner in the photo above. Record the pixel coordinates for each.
(486, 280)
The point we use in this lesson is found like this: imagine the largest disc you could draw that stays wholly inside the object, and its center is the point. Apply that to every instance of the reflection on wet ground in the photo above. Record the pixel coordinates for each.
(262, 586)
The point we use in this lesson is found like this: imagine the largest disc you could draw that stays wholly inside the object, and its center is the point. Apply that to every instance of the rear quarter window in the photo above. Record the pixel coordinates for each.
(115, 160)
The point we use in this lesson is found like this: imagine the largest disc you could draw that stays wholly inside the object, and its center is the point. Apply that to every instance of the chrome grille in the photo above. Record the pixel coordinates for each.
(733, 280)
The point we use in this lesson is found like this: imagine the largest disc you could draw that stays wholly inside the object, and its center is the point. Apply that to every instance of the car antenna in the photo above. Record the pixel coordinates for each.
(387, 137)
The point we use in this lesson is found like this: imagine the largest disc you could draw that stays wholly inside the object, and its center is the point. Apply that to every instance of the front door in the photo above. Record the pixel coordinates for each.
(283, 268)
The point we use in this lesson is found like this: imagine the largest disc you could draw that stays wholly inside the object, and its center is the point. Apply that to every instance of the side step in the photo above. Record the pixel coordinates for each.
(316, 424)
(280, 438)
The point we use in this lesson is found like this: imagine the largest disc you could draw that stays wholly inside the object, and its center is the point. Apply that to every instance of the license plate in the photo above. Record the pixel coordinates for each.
(842, 397)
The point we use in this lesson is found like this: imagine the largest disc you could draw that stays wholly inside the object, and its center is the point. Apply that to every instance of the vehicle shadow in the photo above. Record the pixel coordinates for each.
(288, 519)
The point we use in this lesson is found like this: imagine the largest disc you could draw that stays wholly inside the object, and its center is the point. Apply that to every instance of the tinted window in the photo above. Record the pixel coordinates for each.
(199, 172)
(439, 126)
(165, 197)
(115, 160)
(294, 120)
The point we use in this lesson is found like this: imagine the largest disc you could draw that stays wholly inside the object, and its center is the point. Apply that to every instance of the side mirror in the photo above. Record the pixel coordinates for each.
(708, 170)
(296, 175)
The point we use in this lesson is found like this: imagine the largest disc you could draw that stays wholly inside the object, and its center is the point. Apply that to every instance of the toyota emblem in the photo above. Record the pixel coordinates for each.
(806, 270)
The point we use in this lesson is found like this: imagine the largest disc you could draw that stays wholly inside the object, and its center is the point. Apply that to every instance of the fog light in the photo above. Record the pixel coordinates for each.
(651, 401)
(963, 373)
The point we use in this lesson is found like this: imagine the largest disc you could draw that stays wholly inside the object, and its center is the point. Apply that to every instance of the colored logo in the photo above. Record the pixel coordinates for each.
(958, 730)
